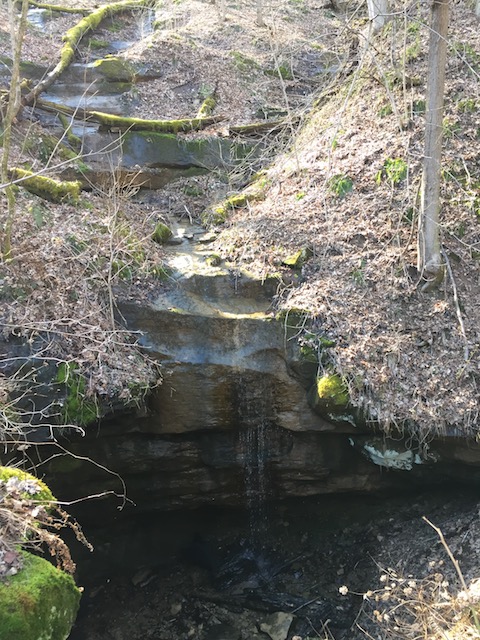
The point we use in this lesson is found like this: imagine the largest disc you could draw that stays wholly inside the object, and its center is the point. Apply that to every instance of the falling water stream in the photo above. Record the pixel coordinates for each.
(253, 406)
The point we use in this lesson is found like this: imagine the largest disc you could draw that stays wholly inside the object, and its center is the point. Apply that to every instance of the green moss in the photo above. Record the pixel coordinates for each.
(298, 259)
(294, 319)
(213, 260)
(309, 353)
(122, 269)
(76, 407)
(40, 602)
(47, 188)
(162, 233)
(284, 72)
(243, 62)
(218, 213)
(45, 145)
(207, 107)
(329, 395)
(42, 494)
(96, 43)
(331, 388)
(115, 69)
(112, 121)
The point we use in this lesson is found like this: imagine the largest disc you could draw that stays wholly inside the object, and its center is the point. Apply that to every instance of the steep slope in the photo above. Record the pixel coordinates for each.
(349, 190)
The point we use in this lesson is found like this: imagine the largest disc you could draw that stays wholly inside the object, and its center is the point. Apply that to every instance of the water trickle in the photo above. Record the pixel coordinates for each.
(253, 408)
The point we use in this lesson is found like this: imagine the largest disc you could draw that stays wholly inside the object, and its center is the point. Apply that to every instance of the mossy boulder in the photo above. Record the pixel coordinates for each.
(26, 485)
(115, 69)
(329, 394)
(40, 602)
(161, 233)
(298, 259)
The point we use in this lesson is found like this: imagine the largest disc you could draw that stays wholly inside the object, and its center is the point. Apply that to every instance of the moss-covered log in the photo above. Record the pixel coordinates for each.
(74, 36)
(56, 7)
(263, 126)
(120, 123)
(209, 104)
(46, 188)
(207, 107)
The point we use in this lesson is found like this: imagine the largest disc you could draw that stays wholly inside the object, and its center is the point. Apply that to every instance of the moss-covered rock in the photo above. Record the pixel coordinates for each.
(298, 259)
(115, 69)
(28, 486)
(40, 602)
(329, 394)
(162, 233)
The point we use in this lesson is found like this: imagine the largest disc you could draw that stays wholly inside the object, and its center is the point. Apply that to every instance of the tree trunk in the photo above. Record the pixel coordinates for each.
(18, 25)
(378, 13)
(429, 253)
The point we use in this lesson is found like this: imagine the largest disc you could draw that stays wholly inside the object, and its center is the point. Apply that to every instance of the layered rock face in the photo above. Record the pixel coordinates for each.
(232, 405)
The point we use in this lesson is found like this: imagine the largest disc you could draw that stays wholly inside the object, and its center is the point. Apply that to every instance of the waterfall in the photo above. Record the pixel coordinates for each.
(253, 409)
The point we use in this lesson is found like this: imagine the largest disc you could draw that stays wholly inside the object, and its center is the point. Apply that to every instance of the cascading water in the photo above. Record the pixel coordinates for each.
(253, 407)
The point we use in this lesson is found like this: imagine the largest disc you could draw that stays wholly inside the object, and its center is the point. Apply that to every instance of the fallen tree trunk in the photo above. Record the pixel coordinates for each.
(263, 126)
(120, 123)
(74, 36)
(46, 188)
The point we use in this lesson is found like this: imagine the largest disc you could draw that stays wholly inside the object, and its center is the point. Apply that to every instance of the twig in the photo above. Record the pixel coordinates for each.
(457, 568)
(466, 350)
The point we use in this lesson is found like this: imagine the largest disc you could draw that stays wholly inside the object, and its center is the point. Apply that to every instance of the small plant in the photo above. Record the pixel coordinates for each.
(77, 408)
(467, 105)
(450, 128)
(394, 170)
(96, 43)
(358, 273)
(300, 195)
(340, 185)
(419, 107)
(243, 62)
(385, 111)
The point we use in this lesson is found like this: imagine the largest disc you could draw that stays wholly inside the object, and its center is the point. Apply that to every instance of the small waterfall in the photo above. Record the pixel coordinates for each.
(253, 410)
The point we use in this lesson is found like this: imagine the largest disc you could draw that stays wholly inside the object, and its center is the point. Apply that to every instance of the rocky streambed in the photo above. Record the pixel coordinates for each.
(324, 566)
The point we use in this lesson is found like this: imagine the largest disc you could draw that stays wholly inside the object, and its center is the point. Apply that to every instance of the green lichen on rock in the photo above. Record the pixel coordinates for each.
(162, 233)
(40, 602)
(213, 260)
(329, 394)
(298, 259)
(217, 214)
(115, 69)
(46, 188)
(28, 486)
